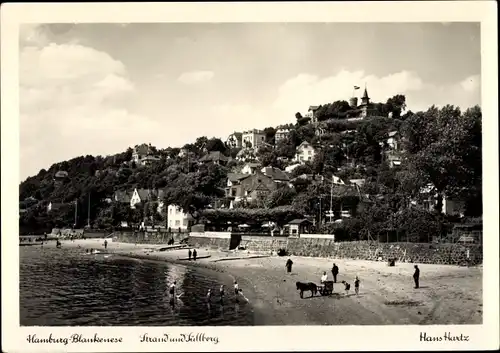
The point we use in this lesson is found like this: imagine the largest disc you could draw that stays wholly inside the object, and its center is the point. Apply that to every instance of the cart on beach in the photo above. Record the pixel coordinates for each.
(326, 288)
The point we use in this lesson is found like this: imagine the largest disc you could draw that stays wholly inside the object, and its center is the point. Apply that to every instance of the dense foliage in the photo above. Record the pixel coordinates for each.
(439, 147)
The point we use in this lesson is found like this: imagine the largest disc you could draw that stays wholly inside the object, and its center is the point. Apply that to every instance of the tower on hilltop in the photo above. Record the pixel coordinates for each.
(365, 100)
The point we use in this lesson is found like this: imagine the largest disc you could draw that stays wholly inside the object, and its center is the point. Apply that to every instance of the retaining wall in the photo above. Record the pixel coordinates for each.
(147, 237)
(451, 254)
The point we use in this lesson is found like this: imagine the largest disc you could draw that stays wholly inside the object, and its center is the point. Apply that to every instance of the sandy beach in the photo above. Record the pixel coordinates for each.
(447, 294)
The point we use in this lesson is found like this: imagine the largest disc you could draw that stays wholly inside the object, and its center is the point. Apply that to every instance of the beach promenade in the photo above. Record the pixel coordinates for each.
(448, 294)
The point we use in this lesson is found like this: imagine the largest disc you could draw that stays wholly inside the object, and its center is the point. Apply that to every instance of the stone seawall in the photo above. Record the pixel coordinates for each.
(207, 242)
(147, 237)
(263, 243)
(446, 254)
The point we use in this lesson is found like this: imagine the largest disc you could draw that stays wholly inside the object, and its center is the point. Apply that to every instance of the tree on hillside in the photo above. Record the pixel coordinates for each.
(282, 196)
(444, 149)
(215, 144)
(270, 132)
(396, 105)
(194, 191)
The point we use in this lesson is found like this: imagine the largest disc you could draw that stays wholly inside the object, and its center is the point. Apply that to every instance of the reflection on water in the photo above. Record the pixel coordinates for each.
(65, 287)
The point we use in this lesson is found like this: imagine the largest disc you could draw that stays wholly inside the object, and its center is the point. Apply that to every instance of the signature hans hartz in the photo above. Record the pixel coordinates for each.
(180, 338)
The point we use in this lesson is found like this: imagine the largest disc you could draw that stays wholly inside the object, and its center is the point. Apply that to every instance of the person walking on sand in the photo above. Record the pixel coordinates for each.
(335, 272)
(194, 254)
(324, 278)
(416, 276)
(356, 285)
(288, 265)
(189, 254)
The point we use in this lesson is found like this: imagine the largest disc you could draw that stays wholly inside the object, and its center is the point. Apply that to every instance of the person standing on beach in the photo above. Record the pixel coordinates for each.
(288, 266)
(416, 276)
(194, 254)
(221, 293)
(236, 291)
(209, 295)
(356, 285)
(335, 272)
(105, 244)
(189, 254)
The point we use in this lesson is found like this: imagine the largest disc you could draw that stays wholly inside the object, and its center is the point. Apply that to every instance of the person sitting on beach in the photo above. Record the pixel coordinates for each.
(324, 278)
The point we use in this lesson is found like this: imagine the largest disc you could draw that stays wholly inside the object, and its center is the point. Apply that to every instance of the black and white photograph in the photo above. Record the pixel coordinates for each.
(214, 174)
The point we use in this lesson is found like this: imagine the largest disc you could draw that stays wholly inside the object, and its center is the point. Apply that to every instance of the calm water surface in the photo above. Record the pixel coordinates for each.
(65, 287)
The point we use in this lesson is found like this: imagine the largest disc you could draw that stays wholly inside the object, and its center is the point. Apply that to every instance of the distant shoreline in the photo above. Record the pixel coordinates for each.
(448, 294)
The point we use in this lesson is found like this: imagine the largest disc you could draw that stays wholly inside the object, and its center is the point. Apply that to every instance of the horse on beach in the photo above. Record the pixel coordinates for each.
(307, 287)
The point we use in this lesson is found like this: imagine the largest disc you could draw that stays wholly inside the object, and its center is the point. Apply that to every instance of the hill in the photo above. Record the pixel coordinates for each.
(438, 148)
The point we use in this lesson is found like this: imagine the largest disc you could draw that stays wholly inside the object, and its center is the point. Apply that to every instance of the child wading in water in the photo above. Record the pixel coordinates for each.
(347, 287)
(356, 285)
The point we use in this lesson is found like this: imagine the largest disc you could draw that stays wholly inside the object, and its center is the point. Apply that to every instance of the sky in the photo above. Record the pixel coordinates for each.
(101, 88)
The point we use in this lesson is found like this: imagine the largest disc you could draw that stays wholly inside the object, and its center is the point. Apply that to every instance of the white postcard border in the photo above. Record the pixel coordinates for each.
(268, 338)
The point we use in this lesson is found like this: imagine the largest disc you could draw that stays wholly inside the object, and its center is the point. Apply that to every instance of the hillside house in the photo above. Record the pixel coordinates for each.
(253, 139)
(215, 157)
(313, 178)
(305, 152)
(291, 167)
(144, 155)
(276, 174)
(52, 206)
(122, 196)
(60, 177)
(393, 140)
(451, 205)
(250, 168)
(281, 134)
(393, 158)
(357, 182)
(246, 155)
(161, 201)
(235, 140)
(249, 186)
(183, 152)
(311, 113)
(142, 195)
(178, 219)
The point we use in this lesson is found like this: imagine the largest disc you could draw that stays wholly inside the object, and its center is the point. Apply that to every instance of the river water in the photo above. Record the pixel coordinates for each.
(65, 287)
